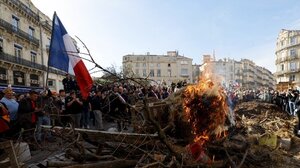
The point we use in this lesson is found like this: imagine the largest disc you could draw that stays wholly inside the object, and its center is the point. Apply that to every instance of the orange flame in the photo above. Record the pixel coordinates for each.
(206, 110)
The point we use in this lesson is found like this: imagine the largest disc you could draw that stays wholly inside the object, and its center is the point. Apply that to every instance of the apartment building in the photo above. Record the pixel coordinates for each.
(243, 73)
(25, 34)
(168, 68)
(287, 58)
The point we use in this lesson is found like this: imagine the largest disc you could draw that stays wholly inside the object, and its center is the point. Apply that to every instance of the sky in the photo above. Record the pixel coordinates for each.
(230, 28)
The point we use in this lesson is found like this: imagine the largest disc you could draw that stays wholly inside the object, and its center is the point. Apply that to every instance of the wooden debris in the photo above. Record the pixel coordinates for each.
(263, 137)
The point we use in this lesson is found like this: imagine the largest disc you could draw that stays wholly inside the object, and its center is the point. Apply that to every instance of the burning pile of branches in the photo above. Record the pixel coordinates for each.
(205, 109)
(200, 109)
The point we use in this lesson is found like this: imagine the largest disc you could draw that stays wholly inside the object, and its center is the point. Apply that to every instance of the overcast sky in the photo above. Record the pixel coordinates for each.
(232, 28)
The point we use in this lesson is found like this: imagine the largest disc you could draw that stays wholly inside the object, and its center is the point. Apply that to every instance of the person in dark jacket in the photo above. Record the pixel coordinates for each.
(69, 84)
(292, 98)
(97, 104)
(43, 116)
(86, 110)
(118, 105)
(74, 107)
(27, 112)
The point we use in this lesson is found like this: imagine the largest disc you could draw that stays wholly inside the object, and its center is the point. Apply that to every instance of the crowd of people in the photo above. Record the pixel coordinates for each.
(110, 103)
(288, 101)
(106, 103)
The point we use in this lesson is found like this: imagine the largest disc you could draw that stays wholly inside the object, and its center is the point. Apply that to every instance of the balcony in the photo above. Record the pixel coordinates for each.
(25, 9)
(184, 75)
(10, 28)
(281, 72)
(21, 61)
(287, 58)
(24, 62)
(290, 71)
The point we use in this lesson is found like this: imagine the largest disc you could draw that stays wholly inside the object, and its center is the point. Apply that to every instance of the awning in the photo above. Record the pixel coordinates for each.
(21, 89)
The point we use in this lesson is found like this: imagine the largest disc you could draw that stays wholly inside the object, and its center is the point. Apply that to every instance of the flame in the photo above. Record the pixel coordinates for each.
(206, 109)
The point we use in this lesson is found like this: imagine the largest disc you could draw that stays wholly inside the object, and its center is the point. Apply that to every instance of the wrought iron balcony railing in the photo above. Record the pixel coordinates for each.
(11, 28)
(21, 61)
(24, 62)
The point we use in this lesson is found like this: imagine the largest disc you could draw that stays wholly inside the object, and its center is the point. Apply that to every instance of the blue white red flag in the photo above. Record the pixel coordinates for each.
(64, 55)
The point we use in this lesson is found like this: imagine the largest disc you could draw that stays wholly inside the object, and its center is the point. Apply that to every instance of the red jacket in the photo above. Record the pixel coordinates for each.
(4, 119)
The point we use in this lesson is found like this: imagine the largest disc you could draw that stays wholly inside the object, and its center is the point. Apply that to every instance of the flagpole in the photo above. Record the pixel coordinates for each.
(53, 23)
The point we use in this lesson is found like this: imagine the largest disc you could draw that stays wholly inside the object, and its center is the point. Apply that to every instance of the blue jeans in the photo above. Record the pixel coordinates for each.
(42, 120)
(292, 107)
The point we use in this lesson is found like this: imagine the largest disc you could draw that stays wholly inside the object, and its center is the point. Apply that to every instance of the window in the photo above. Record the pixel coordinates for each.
(282, 67)
(51, 83)
(144, 73)
(18, 51)
(293, 66)
(169, 65)
(1, 45)
(15, 23)
(151, 64)
(169, 72)
(158, 73)
(292, 52)
(19, 78)
(31, 32)
(137, 71)
(158, 65)
(292, 78)
(151, 73)
(3, 75)
(34, 80)
(33, 56)
(282, 43)
(144, 64)
(184, 71)
(293, 40)
(183, 62)
(137, 64)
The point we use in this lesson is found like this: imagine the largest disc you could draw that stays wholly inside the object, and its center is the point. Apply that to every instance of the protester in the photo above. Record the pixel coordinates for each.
(74, 107)
(69, 84)
(43, 117)
(27, 111)
(97, 104)
(86, 109)
(11, 104)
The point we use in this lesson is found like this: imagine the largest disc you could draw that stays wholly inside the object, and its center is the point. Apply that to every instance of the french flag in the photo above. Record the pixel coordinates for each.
(64, 55)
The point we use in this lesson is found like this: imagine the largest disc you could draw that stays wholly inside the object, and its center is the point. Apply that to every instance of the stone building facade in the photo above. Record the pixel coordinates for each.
(25, 34)
(168, 68)
(287, 58)
(243, 73)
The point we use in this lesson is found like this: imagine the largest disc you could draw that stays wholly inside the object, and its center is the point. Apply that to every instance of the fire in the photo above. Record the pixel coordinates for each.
(206, 109)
